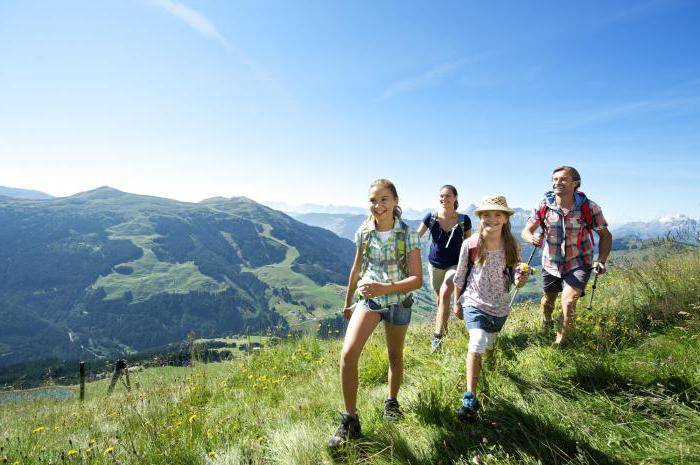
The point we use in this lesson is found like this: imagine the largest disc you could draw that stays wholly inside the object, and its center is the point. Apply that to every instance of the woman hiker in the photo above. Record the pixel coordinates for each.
(447, 231)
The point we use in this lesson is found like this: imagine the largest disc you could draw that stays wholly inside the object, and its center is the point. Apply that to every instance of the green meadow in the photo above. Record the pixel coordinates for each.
(626, 391)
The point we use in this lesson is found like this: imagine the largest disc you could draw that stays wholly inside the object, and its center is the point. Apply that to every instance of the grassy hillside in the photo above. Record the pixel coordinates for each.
(627, 391)
(105, 272)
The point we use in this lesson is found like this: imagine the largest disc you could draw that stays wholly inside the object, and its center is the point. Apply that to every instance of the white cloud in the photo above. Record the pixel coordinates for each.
(429, 78)
(193, 19)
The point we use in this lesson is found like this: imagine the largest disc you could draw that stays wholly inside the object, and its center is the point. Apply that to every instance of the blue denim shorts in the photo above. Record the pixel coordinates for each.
(476, 319)
(394, 314)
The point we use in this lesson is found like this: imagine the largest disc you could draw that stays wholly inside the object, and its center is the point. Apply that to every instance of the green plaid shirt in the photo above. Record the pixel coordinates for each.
(382, 265)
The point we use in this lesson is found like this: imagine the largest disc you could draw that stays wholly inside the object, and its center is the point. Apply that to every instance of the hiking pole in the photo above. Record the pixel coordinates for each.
(529, 260)
(595, 282)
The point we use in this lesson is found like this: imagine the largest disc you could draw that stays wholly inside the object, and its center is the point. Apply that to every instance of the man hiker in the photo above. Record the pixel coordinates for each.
(567, 219)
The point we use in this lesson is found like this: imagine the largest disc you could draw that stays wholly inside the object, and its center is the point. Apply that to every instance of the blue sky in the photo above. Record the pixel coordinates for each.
(309, 101)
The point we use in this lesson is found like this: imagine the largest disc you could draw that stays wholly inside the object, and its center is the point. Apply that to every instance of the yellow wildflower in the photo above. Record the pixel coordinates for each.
(192, 418)
(108, 450)
(212, 454)
(71, 452)
(37, 429)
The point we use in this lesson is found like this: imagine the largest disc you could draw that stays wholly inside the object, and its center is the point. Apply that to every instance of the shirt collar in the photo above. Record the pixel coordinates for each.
(551, 200)
(370, 226)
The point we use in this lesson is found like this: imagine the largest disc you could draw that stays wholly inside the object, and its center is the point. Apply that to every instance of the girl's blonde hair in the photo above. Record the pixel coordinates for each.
(510, 245)
(388, 185)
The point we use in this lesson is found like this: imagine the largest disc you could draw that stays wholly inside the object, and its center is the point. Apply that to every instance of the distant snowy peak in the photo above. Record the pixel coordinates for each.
(659, 227)
(675, 219)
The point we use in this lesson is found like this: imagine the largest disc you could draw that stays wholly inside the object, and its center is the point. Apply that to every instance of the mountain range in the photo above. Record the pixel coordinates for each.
(106, 272)
(345, 224)
(661, 227)
(17, 193)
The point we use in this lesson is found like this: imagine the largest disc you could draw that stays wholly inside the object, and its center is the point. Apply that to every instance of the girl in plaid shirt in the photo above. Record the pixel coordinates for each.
(386, 269)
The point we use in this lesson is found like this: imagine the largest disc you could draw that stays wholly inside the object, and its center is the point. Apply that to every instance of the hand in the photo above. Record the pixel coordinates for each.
(371, 289)
(521, 279)
(537, 239)
(347, 312)
(458, 310)
(599, 267)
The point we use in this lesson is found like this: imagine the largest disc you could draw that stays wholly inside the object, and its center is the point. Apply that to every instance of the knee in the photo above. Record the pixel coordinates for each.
(349, 357)
(568, 303)
(548, 299)
(480, 341)
(446, 288)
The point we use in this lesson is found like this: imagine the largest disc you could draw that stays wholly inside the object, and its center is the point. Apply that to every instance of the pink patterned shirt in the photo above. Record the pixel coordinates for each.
(486, 284)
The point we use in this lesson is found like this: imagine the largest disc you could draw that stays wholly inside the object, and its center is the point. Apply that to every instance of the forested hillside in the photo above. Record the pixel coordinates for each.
(104, 272)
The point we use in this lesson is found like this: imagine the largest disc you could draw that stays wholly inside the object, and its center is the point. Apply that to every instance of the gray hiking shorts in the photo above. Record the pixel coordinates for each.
(576, 278)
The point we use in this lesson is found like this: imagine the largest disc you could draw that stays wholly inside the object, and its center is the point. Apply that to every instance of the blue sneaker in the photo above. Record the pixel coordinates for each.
(436, 345)
(470, 405)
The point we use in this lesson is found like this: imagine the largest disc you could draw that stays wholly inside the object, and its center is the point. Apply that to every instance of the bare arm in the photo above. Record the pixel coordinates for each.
(604, 247)
(529, 236)
(352, 282)
(421, 230)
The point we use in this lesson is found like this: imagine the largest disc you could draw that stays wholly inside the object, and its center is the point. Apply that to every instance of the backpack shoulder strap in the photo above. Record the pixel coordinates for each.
(587, 220)
(471, 259)
(364, 237)
(542, 214)
(401, 252)
(462, 221)
(433, 220)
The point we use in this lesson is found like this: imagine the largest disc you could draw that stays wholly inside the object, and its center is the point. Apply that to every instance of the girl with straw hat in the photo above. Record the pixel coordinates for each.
(487, 268)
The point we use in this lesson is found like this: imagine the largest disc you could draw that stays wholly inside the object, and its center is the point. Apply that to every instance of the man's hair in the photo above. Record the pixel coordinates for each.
(573, 172)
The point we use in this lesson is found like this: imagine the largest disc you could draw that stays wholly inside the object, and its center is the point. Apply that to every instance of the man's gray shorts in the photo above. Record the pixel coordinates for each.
(577, 278)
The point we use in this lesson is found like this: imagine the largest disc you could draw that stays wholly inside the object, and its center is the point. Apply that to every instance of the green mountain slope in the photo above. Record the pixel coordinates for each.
(103, 272)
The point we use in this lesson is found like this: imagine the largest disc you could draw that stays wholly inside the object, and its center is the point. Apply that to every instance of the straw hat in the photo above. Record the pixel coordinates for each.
(493, 203)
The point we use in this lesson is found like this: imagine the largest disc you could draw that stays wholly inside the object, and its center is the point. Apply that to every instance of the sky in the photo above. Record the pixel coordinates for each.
(309, 101)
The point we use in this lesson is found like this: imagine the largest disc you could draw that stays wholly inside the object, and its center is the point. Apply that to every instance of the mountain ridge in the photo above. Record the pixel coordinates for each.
(105, 271)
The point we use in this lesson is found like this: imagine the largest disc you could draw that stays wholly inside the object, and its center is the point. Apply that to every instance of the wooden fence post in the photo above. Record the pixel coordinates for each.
(119, 369)
(82, 381)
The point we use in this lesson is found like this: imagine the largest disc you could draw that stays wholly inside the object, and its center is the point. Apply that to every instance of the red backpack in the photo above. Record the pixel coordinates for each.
(586, 226)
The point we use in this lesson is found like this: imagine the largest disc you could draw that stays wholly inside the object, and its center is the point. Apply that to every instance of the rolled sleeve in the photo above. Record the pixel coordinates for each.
(597, 217)
(358, 238)
(413, 241)
(461, 274)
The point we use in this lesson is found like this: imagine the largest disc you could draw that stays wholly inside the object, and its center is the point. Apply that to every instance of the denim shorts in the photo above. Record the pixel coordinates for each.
(476, 319)
(576, 278)
(394, 314)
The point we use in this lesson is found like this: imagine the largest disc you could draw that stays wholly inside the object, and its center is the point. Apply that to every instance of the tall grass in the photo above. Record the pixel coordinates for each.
(627, 391)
